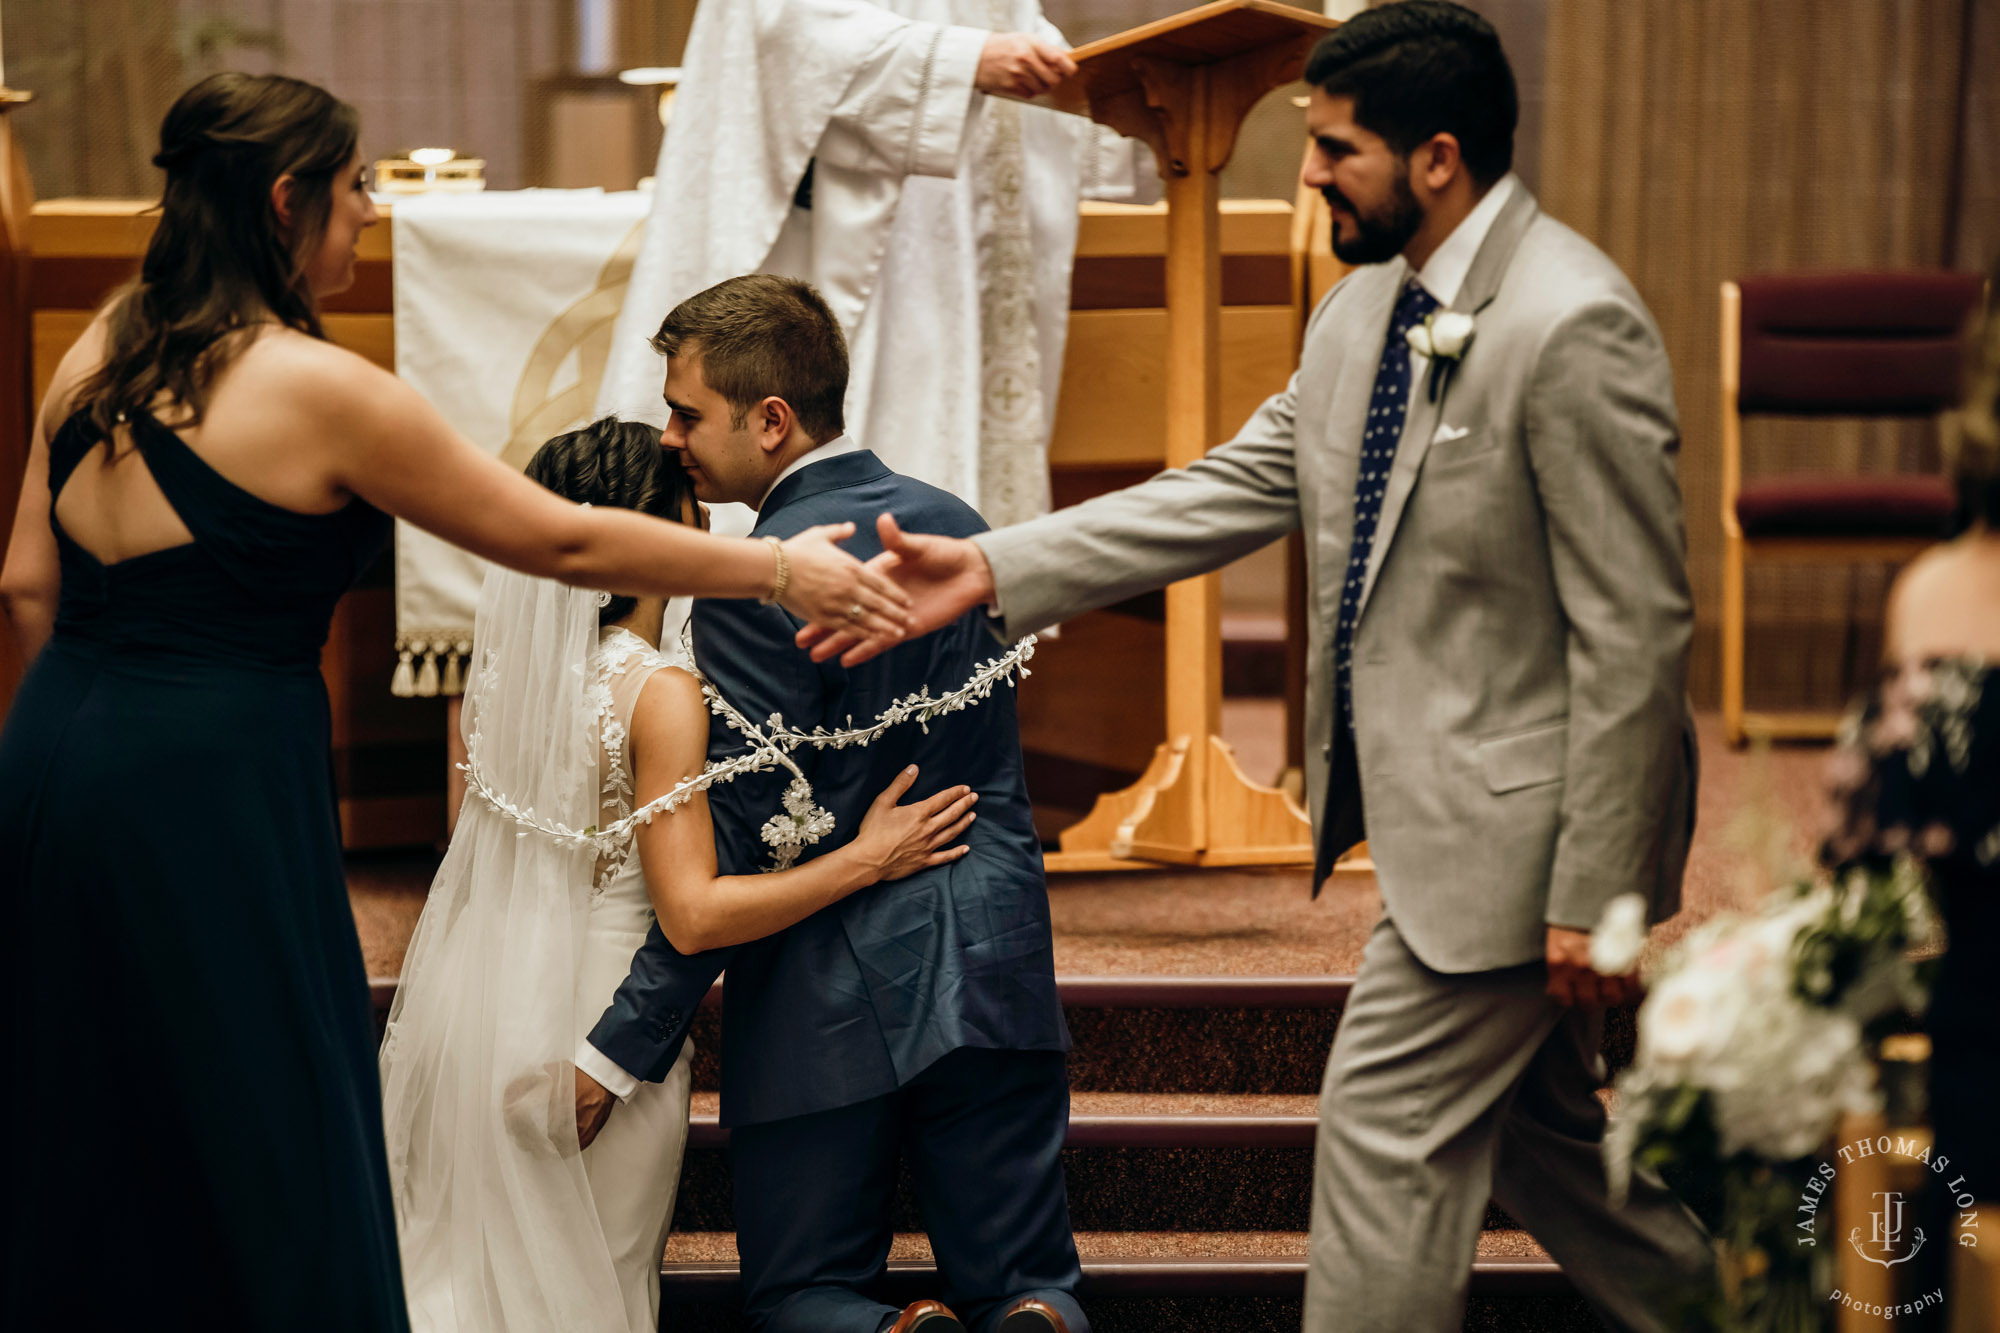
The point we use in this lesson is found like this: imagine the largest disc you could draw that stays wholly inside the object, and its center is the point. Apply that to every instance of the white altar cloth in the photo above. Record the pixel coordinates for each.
(504, 308)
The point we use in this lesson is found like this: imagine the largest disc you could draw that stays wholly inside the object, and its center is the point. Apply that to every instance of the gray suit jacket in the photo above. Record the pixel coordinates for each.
(1523, 745)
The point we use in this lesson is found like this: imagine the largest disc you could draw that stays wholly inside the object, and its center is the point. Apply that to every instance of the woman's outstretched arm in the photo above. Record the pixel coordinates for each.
(384, 442)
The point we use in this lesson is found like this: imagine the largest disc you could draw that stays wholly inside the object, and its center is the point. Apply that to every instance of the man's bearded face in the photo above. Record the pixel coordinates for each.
(1365, 183)
(1378, 234)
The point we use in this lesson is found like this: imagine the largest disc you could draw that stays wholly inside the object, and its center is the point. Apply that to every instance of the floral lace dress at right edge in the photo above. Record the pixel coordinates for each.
(1919, 772)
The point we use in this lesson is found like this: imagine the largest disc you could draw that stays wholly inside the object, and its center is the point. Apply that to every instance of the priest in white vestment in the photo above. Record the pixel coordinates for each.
(850, 143)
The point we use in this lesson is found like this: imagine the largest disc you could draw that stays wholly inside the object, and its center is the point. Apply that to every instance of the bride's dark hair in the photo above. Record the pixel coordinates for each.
(615, 464)
(220, 262)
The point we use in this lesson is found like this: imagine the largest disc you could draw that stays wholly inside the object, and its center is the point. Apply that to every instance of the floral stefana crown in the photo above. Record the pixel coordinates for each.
(802, 822)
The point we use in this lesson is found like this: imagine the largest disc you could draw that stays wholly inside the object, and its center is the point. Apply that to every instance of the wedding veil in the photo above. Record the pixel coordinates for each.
(493, 1207)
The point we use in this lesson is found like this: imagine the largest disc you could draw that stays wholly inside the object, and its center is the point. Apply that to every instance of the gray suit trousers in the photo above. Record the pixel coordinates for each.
(1443, 1089)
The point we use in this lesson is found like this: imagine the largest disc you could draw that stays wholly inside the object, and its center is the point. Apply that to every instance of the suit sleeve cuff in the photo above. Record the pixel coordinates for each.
(1014, 610)
(601, 1067)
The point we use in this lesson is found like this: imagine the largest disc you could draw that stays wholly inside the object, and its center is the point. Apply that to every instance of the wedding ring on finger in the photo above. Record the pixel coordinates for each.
(855, 612)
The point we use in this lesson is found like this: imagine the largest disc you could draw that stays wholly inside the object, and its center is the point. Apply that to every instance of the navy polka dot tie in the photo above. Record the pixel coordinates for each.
(1387, 407)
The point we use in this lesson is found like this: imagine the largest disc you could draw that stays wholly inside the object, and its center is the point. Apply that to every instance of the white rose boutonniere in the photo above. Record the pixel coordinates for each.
(1620, 936)
(1443, 337)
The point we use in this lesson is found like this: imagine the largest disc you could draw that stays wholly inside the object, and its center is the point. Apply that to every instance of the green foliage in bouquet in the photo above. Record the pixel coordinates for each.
(1757, 1034)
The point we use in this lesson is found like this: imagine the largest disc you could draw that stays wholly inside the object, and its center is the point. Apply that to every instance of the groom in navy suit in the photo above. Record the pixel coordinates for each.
(918, 1017)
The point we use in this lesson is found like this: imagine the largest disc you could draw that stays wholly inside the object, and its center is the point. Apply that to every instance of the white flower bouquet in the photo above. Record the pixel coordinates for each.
(1757, 1033)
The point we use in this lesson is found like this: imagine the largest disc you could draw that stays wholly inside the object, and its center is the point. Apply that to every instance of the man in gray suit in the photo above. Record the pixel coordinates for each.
(1499, 633)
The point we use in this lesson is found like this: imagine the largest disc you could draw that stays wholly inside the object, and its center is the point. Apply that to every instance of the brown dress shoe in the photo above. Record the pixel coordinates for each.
(1029, 1315)
(930, 1317)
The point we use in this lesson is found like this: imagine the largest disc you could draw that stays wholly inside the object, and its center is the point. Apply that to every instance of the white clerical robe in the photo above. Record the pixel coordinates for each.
(941, 229)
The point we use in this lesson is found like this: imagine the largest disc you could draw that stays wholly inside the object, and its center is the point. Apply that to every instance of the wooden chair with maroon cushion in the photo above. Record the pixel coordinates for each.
(1829, 345)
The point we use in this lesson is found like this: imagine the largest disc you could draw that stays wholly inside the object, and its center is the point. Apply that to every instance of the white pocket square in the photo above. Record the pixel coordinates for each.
(1446, 434)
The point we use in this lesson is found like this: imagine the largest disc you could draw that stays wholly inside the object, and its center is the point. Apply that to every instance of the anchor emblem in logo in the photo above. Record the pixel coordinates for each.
(1887, 1232)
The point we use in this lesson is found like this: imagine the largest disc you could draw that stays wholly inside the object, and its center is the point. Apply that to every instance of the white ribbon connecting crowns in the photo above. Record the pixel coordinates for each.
(802, 822)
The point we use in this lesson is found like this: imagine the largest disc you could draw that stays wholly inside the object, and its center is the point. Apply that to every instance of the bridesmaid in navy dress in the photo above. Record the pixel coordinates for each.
(194, 1127)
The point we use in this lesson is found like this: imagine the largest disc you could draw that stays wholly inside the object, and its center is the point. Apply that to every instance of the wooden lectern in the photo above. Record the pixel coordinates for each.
(1183, 86)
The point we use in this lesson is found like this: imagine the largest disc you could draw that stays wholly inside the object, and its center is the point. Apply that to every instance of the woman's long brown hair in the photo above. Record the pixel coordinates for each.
(220, 262)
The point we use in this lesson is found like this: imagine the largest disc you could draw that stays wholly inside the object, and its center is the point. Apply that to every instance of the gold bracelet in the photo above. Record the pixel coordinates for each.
(782, 578)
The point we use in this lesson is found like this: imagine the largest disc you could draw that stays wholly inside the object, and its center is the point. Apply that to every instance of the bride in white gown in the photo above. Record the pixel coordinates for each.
(575, 715)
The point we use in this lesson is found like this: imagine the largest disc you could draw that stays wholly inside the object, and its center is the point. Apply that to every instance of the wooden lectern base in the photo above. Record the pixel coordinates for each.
(1138, 828)
(1183, 84)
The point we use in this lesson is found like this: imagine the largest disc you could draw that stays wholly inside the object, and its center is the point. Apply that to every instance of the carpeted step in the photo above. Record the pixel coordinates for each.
(1147, 1034)
(1129, 1119)
(1152, 1162)
(1156, 1282)
(1165, 1034)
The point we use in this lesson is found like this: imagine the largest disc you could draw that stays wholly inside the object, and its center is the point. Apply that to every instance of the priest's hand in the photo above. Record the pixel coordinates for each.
(1018, 65)
(944, 576)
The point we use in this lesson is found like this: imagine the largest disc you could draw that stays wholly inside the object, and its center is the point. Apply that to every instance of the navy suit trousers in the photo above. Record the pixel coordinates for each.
(983, 1131)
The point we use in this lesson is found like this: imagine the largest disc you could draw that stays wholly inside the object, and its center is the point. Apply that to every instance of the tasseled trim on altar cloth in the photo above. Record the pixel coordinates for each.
(429, 664)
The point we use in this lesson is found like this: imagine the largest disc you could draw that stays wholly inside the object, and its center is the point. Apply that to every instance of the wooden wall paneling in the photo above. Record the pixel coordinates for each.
(1108, 717)
(389, 753)
(654, 33)
(17, 393)
(1249, 227)
(373, 336)
(1126, 282)
(73, 228)
(1090, 713)
(1112, 407)
(55, 332)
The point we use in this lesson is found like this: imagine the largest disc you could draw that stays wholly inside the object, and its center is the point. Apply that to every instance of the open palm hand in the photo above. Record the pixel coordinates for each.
(944, 578)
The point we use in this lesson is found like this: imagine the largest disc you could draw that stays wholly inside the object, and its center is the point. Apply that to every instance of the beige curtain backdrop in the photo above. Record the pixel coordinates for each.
(1699, 140)
(104, 72)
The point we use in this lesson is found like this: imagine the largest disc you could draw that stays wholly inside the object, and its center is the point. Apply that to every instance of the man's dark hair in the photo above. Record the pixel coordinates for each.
(761, 336)
(615, 464)
(1421, 68)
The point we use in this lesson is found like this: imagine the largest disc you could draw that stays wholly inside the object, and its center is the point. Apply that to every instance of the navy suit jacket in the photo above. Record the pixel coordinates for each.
(862, 996)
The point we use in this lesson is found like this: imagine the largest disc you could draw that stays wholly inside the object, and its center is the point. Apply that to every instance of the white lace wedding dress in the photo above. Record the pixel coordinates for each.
(634, 1164)
(505, 1227)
